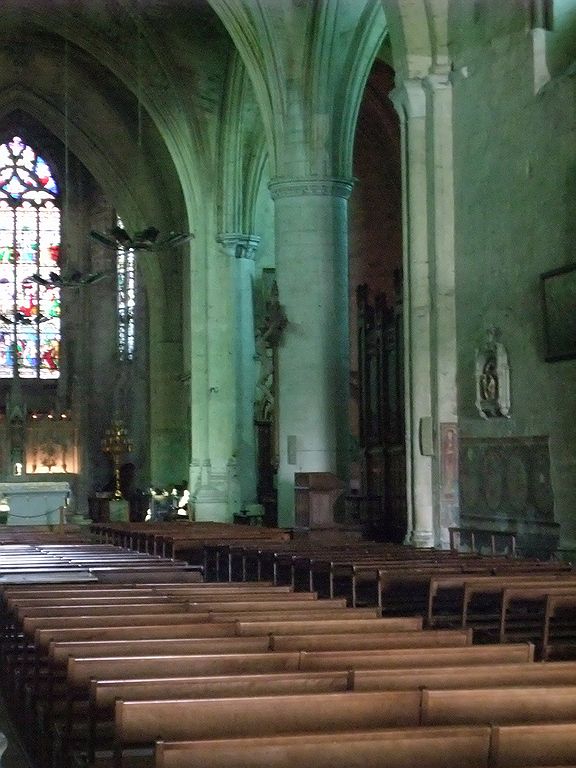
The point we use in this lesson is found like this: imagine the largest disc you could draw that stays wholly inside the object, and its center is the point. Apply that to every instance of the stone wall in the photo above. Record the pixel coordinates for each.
(515, 192)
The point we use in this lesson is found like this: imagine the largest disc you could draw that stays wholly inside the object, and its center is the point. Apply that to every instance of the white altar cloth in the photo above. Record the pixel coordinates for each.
(35, 503)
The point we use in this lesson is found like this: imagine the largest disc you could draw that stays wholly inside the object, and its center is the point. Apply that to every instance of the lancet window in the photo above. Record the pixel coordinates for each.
(126, 292)
(30, 234)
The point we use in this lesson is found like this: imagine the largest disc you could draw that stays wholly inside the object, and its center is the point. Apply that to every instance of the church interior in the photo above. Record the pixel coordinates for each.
(292, 239)
(288, 270)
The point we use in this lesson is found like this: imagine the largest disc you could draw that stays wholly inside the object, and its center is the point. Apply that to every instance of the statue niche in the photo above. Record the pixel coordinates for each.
(492, 377)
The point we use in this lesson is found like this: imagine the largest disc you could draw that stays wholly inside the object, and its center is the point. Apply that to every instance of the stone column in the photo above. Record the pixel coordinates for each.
(241, 248)
(313, 356)
(410, 102)
(438, 89)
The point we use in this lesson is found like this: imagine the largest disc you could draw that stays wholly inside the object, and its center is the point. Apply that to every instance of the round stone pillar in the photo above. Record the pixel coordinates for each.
(410, 103)
(313, 356)
(241, 248)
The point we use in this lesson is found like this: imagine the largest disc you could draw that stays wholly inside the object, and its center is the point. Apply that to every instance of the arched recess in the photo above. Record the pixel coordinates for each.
(375, 274)
(186, 137)
(103, 139)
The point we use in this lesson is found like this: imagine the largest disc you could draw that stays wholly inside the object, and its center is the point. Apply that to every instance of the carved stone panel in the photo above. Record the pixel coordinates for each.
(505, 485)
(506, 478)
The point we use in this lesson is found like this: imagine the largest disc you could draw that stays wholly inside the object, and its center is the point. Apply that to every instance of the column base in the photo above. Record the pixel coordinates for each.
(421, 539)
(211, 504)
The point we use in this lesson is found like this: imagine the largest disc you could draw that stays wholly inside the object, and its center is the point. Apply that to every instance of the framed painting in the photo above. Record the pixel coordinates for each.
(559, 309)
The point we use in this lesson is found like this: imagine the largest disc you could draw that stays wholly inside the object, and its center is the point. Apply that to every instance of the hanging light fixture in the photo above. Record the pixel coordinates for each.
(147, 239)
(70, 279)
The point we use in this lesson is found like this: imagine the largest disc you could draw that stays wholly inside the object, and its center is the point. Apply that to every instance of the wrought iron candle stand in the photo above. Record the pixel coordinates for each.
(116, 443)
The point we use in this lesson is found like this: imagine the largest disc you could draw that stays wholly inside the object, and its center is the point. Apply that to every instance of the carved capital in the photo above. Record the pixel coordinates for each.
(239, 246)
(409, 98)
(281, 188)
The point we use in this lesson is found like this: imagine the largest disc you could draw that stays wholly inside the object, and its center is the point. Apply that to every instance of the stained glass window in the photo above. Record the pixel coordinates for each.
(126, 300)
(29, 244)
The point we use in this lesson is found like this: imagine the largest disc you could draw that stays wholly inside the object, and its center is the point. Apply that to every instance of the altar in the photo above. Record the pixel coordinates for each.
(34, 503)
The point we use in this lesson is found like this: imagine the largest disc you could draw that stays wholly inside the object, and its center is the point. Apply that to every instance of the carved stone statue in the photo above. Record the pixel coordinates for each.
(275, 321)
(268, 337)
(492, 377)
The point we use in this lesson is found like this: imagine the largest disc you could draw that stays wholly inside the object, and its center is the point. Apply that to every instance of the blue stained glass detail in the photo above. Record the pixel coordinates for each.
(44, 175)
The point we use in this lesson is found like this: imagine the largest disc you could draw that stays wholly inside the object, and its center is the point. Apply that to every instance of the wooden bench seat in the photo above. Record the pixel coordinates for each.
(534, 745)
(449, 590)
(43, 636)
(535, 597)
(31, 623)
(410, 657)
(355, 641)
(104, 693)
(140, 722)
(499, 705)
(559, 633)
(521, 674)
(312, 626)
(58, 651)
(284, 613)
(81, 670)
(462, 747)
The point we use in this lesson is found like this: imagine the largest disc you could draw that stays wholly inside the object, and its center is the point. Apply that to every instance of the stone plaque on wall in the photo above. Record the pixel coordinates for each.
(505, 485)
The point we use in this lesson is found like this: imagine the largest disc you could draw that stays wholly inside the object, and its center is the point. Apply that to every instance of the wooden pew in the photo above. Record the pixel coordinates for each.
(410, 657)
(81, 670)
(103, 694)
(534, 596)
(284, 613)
(556, 606)
(534, 745)
(499, 705)
(509, 674)
(141, 723)
(310, 626)
(463, 747)
(31, 623)
(453, 586)
(59, 652)
(498, 593)
(433, 638)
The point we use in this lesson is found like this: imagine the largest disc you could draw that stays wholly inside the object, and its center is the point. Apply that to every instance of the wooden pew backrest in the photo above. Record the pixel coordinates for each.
(138, 722)
(433, 748)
